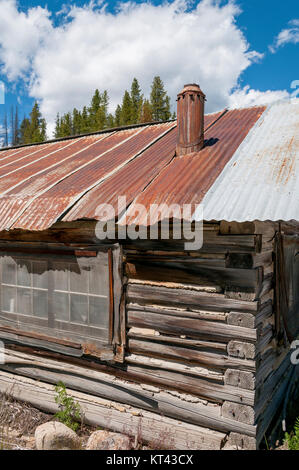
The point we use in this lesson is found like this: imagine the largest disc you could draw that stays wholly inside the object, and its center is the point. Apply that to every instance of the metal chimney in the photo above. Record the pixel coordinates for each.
(190, 119)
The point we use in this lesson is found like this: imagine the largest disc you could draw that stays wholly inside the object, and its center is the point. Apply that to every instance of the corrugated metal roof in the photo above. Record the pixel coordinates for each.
(188, 178)
(248, 169)
(261, 181)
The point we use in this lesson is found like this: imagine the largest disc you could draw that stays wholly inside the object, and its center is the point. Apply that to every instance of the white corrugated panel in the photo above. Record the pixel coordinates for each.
(261, 181)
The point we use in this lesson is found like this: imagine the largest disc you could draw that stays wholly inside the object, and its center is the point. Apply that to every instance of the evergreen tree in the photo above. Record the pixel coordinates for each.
(66, 125)
(25, 131)
(5, 140)
(77, 122)
(146, 114)
(98, 111)
(136, 99)
(117, 116)
(57, 132)
(12, 126)
(37, 125)
(16, 127)
(110, 121)
(126, 110)
(85, 121)
(33, 130)
(159, 100)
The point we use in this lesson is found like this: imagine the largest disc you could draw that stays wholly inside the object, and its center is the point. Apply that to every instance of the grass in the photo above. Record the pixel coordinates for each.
(292, 438)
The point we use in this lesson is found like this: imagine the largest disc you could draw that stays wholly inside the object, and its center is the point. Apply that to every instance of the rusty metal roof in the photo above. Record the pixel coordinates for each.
(68, 179)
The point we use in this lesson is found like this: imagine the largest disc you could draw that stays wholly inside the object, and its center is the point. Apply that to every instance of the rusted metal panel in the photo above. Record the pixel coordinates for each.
(129, 181)
(247, 170)
(188, 178)
(47, 205)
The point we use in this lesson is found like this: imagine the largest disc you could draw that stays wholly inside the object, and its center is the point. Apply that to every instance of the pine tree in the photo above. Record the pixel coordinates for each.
(98, 111)
(117, 116)
(146, 114)
(57, 132)
(16, 127)
(37, 125)
(136, 99)
(77, 122)
(66, 125)
(110, 121)
(5, 141)
(126, 110)
(159, 100)
(84, 121)
(25, 136)
(12, 125)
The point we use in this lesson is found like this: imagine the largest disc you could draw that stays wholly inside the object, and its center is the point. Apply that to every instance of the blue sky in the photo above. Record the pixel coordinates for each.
(255, 74)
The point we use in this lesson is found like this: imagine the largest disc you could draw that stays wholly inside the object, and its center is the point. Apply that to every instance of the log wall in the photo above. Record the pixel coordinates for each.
(199, 336)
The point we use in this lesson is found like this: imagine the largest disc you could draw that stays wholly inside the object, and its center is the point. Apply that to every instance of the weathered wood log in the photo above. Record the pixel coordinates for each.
(239, 378)
(217, 361)
(217, 302)
(172, 340)
(275, 401)
(255, 227)
(193, 273)
(248, 260)
(151, 373)
(146, 426)
(241, 350)
(190, 327)
(179, 312)
(242, 413)
(97, 384)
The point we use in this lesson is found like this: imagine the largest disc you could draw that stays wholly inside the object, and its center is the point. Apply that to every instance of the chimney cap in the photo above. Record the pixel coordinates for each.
(192, 88)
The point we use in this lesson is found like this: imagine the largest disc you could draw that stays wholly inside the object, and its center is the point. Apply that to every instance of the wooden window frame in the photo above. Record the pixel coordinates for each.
(26, 330)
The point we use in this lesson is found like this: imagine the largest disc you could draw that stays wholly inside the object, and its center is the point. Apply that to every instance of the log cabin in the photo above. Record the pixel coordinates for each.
(181, 345)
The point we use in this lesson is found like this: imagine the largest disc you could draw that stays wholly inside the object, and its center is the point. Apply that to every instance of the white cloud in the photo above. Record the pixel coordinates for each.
(91, 48)
(246, 97)
(286, 36)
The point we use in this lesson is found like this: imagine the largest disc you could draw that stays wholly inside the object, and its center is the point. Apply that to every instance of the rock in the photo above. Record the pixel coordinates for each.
(56, 436)
(105, 440)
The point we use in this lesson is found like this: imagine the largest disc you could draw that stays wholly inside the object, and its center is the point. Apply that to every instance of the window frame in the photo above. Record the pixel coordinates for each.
(53, 334)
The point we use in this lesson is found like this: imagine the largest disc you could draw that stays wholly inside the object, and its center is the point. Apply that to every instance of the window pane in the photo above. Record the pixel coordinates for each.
(61, 276)
(61, 306)
(79, 308)
(9, 303)
(40, 274)
(40, 303)
(99, 311)
(8, 270)
(23, 273)
(78, 278)
(24, 301)
(99, 281)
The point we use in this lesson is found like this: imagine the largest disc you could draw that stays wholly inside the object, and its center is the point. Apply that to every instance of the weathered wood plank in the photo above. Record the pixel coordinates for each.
(216, 302)
(189, 327)
(149, 372)
(179, 312)
(172, 340)
(207, 359)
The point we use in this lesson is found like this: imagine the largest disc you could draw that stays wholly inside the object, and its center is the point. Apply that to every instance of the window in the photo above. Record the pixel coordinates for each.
(64, 294)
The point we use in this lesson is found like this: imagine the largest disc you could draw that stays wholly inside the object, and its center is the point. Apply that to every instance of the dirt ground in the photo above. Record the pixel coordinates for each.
(18, 422)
